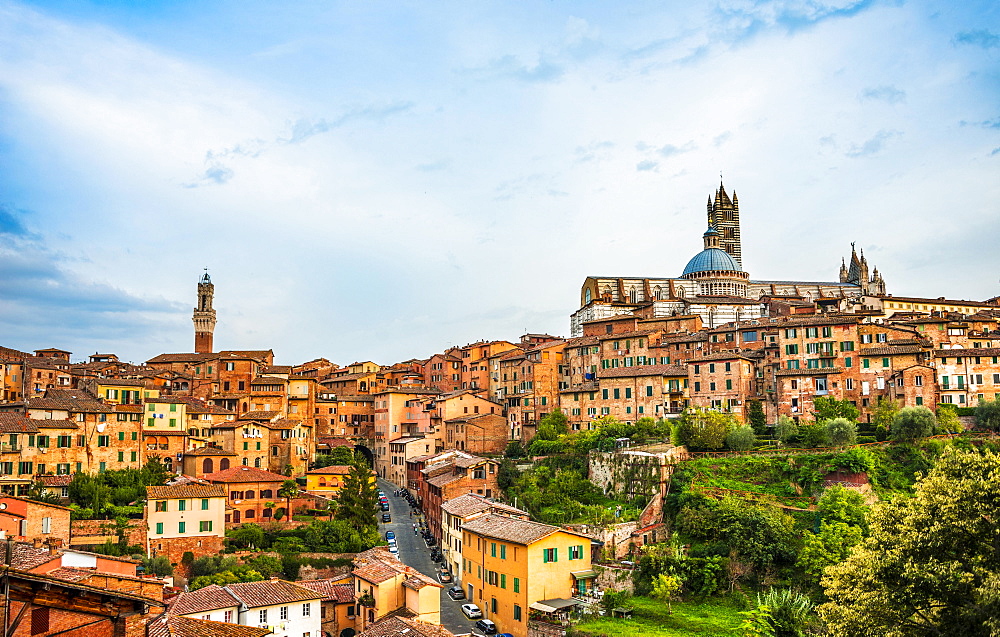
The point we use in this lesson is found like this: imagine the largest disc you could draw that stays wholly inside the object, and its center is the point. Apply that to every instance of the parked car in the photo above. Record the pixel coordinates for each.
(487, 626)
(394, 549)
(386, 518)
(444, 576)
(385, 506)
(472, 611)
(390, 535)
(456, 593)
(505, 635)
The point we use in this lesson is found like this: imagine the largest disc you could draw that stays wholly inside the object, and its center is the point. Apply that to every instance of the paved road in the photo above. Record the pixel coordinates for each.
(413, 552)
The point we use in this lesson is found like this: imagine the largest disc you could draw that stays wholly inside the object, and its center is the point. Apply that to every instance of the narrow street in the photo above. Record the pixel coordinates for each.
(414, 552)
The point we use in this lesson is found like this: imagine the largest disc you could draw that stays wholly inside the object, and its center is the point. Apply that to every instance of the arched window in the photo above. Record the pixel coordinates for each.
(586, 296)
(207, 466)
(250, 495)
(223, 464)
(249, 514)
(246, 462)
(266, 493)
(633, 295)
(256, 462)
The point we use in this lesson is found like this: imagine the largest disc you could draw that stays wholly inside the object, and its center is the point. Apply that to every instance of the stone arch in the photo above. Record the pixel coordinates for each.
(367, 453)
(347, 632)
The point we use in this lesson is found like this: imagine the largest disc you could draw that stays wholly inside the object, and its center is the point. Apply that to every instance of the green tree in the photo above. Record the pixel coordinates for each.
(757, 418)
(988, 414)
(840, 504)
(665, 589)
(931, 563)
(288, 490)
(158, 565)
(948, 421)
(828, 408)
(831, 545)
(913, 423)
(785, 429)
(338, 456)
(705, 429)
(358, 498)
(248, 536)
(514, 449)
(552, 425)
(841, 432)
(882, 416)
(741, 439)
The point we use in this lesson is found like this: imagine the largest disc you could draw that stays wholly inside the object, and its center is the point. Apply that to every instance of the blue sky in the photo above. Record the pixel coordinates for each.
(380, 180)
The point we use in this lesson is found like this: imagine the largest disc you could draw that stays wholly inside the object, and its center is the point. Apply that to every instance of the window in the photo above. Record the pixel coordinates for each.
(885, 362)
(848, 361)
(847, 346)
(576, 552)
(849, 383)
(182, 505)
(205, 525)
(503, 580)
(791, 350)
(517, 584)
(550, 555)
(103, 441)
(284, 612)
(792, 333)
(503, 551)
(262, 616)
(517, 613)
(159, 528)
(204, 504)
(46, 525)
(182, 527)
(881, 338)
(306, 609)
(865, 363)
(228, 617)
(793, 364)
(866, 338)
(811, 332)
(729, 384)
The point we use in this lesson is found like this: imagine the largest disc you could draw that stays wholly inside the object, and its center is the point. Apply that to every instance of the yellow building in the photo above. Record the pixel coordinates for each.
(510, 564)
(327, 481)
(383, 585)
(185, 518)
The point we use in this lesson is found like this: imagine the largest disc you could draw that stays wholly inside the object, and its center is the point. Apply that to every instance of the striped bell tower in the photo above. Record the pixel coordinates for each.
(204, 316)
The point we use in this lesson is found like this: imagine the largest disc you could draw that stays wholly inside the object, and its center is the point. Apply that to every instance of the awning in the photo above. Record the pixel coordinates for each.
(584, 574)
(553, 605)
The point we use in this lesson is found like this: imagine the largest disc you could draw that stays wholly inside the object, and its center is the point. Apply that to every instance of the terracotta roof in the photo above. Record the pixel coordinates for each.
(269, 380)
(396, 624)
(270, 592)
(55, 481)
(27, 557)
(287, 423)
(822, 371)
(172, 626)
(337, 590)
(246, 353)
(69, 400)
(470, 503)
(244, 474)
(443, 479)
(981, 351)
(720, 356)
(11, 423)
(376, 572)
(71, 574)
(334, 442)
(119, 382)
(203, 451)
(891, 351)
(45, 423)
(179, 358)
(337, 469)
(185, 491)
(211, 597)
(260, 415)
(644, 370)
(511, 529)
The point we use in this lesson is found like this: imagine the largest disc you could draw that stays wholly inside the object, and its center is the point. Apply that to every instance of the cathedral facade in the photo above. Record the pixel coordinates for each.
(713, 284)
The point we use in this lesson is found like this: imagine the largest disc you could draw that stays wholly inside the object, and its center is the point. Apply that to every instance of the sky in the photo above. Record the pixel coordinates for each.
(383, 180)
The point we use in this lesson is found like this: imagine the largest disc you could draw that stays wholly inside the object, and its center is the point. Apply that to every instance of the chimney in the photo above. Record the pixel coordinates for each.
(36, 542)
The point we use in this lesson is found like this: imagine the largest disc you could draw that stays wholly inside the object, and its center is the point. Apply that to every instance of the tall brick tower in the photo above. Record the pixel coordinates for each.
(204, 316)
(724, 216)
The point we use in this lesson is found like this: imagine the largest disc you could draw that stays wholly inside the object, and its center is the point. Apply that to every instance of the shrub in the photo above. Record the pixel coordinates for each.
(988, 414)
(841, 432)
(812, 435)
(741, 439)
(912, 424)
(785, 429)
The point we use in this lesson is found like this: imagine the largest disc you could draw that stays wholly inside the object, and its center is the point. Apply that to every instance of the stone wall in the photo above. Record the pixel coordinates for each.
(89, 532)
(614, 578)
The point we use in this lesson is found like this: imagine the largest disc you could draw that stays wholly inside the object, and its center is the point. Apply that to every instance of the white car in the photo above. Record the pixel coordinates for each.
(472, 611)
(394, 549)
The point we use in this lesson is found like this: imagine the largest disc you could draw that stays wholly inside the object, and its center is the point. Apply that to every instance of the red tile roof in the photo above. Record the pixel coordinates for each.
(185, 491)
(244, 474)
(270, 592)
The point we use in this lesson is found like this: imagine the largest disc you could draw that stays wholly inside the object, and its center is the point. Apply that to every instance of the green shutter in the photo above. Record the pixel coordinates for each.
(503, 580)
(517, 584)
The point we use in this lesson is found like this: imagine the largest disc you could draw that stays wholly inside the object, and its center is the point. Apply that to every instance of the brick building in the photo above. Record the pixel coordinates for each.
(185, 518)
(251, 494)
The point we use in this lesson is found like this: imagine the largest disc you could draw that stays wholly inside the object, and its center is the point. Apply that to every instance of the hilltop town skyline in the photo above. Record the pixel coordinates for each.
(383, 182)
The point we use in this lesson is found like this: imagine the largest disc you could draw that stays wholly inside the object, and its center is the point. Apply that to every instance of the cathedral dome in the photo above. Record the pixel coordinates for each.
(711, 260)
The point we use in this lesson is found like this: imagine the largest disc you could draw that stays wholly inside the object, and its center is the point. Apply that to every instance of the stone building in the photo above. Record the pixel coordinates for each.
(714, 284)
